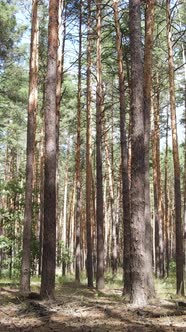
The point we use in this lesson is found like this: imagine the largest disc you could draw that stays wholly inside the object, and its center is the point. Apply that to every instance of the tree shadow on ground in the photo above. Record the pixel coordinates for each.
(85, 310)
(48, 324)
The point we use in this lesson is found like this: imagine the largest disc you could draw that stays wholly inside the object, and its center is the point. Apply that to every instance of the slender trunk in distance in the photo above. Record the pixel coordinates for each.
(64, 219)
(159, 247)
(124, 156)
(166, 201)
(60, 55)
(99, 172)
(177, 186)
(31, 128)
(89, 263)
(78, 160)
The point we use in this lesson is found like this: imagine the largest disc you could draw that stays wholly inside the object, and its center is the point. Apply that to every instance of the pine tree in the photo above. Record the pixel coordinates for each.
(49, 236)
(78, 150)
(89, 264)
(177, 185)
(31, 129)
(99, 172)
(124, 155)
(139, 287)
(149, 29)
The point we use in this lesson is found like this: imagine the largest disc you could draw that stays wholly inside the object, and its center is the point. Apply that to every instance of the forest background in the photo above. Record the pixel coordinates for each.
(72, 171)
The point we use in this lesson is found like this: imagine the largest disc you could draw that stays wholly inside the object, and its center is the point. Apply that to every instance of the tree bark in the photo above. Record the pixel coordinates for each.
(139, 286)
(64, 219)
(31, 128)
(89, 263)
(41, 194)
(166, 201)
(49, 235)
(149, 29)
(184, 234)
(60, 61)
(159, 247)
(184, 177)
(99, 175)
(124, 156)
(78, 160)
(177, 189)
(71, 223)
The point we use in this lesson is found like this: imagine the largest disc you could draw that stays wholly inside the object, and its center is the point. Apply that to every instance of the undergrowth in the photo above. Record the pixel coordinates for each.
(165, 288)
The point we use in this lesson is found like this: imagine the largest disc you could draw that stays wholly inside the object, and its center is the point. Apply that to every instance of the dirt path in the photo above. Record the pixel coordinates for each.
(80, 309)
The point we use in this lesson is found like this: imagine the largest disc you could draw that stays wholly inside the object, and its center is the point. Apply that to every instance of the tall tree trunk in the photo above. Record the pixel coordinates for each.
(128, 78)
(41, 215)
(139, 286)
(106, 224)
(89, 263)
(78, 160)
(60, 55)
(71, 225)
(64, 227)
(124, 156)
(149, 29)
(185, 192)
(184, 212)
(111, 205)
(177, 189)
(31, 128)
(110, 201)
(41, 194)
(166, 201)
(36, 202)
(49, 234)
(94, 249)
(184, 61)
(159, 248)
(99, 172)
(171, 217)
(110, 238)
(60, 61)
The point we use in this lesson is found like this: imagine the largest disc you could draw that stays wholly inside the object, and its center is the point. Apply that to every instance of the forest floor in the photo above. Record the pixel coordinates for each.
(81, 309)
